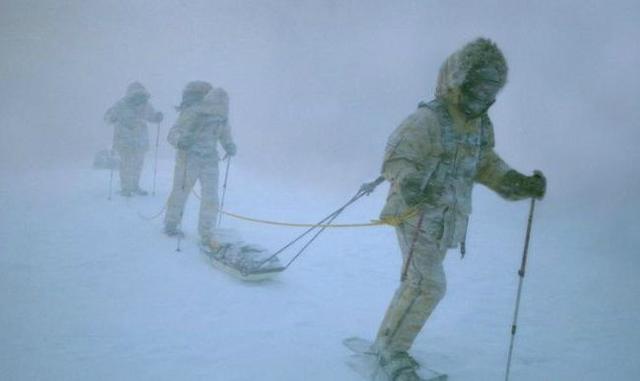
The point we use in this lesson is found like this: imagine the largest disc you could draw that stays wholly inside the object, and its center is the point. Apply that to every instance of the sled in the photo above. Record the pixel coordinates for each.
(244, 261)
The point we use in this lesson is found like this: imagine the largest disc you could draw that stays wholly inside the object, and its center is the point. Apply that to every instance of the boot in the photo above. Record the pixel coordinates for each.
(210, 243)
(173, 231)
(399, 366)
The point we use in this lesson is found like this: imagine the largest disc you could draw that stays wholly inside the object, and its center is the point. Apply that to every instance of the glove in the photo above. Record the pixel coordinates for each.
(158, 117)
(517, 186)
(413, 194)
(231, 149)
(538, 184)
(367, 188)
(183, 144)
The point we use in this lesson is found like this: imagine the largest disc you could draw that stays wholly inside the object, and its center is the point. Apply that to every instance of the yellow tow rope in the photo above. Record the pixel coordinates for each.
(302, 225)
(389, 220)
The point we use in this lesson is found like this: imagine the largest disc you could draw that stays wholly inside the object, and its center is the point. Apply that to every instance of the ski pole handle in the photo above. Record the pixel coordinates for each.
(110, 173)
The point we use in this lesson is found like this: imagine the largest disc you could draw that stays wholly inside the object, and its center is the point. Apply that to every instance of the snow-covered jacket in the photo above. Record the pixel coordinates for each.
(446, 157)
(200, 127)
(130, 120)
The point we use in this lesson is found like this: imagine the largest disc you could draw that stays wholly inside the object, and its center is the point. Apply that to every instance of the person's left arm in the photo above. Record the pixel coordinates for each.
(495, 174)
(226, 140)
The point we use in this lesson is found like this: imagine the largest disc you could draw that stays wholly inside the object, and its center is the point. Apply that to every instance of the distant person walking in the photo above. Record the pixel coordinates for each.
(129, 117)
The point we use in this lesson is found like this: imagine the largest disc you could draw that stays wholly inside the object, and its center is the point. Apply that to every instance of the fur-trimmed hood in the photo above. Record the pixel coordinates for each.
(215, 103)
(198, 87)
(194, 92)
(481, 52)
(135, 89)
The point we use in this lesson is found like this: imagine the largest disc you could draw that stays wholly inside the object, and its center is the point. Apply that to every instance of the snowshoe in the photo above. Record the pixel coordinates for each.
(367, 361)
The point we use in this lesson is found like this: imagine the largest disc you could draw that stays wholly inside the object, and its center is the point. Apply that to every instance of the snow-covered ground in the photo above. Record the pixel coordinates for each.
(90, 290)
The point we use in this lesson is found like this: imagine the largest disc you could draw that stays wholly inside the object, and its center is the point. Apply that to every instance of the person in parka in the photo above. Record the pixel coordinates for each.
(129, 117)
(195, 135)
(432, 161)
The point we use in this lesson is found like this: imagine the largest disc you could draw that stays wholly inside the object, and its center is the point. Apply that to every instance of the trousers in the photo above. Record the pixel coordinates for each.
(189, 169)
(422, 288)
(131, 163)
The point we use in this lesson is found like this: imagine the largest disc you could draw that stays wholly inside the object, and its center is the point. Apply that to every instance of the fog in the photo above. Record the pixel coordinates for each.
(320, 85)
(316, 87)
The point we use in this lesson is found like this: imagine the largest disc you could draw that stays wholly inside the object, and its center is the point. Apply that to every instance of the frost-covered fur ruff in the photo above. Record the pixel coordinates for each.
(215, 103)
(481, 52)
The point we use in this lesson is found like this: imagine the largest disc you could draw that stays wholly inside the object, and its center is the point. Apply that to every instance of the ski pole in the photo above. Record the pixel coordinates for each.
(405, 269)
(224, 190)
(155, 164)
(184, 185)
(179, 238)
(521, 273)
(110, 175)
